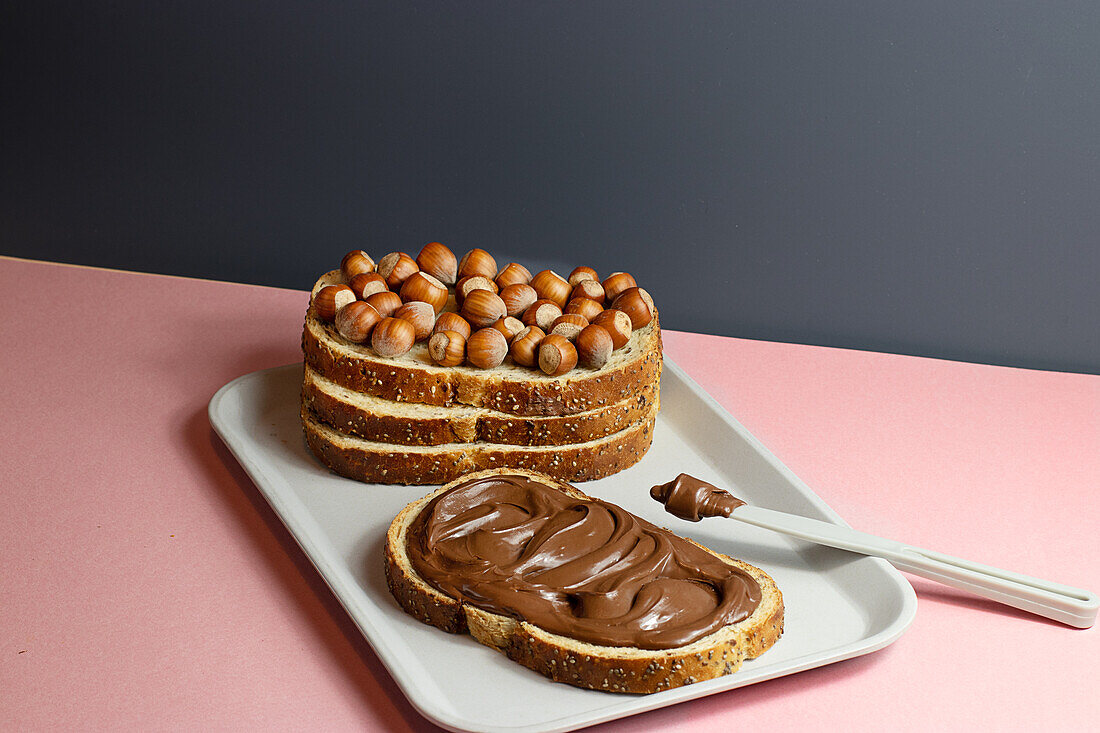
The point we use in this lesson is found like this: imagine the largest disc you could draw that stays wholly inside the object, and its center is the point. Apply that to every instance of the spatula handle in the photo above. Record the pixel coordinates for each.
(1072, 606)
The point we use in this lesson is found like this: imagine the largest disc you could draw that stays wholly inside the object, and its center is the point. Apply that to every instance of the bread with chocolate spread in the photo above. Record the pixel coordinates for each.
(575, 588)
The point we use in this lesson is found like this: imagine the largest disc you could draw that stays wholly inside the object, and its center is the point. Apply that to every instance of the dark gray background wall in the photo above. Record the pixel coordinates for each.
(908, 177)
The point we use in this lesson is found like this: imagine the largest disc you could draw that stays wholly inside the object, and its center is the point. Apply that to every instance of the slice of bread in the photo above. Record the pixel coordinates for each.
(409, 423)
(564, 659)
(388, 463)
(508, 388)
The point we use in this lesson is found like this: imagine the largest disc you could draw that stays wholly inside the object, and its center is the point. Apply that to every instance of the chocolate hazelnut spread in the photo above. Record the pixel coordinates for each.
(692, 499)
(585, 569)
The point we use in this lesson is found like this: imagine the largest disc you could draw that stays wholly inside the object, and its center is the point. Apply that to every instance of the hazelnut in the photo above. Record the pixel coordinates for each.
(420, 315)
(396, 267)
(385, 302)
(477, 262)
(617, 324)
(447, 348)
(582, 273)
(392, 337)
(512, 274)
(590, 289)
(424, 288)
(525, 346)
(585, 307)
(475, 282)
(486, 348)
(482, 308)
(568, 325)
(594, 346)
(438, 261)
(356, 262)
(633, 303)
(356, 320)
(452, 322)
(366, 284)
(330, 299)
(616, 283)
(509, 327)
(552, 286)
(541, 313)
(517, 298)
(556, 355)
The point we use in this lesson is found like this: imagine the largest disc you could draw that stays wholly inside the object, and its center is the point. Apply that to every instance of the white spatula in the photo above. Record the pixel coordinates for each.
(692, 499)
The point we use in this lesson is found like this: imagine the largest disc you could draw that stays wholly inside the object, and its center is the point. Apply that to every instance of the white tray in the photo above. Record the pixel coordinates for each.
(838, 605)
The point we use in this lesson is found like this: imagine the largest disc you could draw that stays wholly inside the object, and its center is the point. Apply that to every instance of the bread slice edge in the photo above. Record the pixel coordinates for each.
(391, 463)
(411, 423)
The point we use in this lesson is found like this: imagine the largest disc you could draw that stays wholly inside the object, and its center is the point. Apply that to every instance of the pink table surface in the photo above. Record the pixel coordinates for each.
(145, 583)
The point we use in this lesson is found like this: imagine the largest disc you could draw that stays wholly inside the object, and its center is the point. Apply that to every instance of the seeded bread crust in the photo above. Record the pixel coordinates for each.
(510, 389)
(562, 659)
(373, 418)
(387, 463)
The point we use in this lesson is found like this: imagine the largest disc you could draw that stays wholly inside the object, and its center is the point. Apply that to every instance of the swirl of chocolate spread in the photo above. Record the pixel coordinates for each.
(585, 569)
(692, 499)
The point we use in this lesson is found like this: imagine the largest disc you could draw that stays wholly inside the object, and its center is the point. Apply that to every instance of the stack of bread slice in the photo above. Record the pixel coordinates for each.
(407, 420)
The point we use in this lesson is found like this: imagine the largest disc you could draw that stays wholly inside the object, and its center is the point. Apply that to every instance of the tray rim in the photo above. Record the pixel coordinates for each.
(322, 554)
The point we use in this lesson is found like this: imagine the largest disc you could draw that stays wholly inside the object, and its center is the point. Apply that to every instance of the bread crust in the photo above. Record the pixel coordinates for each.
(514, 392)
(562, 659)
(385, 463)
(387, 422)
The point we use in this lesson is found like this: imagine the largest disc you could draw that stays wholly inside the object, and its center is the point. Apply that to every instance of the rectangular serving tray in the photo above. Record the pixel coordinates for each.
(838, 605)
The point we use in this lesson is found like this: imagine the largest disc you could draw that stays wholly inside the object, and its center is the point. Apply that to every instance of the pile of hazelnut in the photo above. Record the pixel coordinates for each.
(543, 321)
